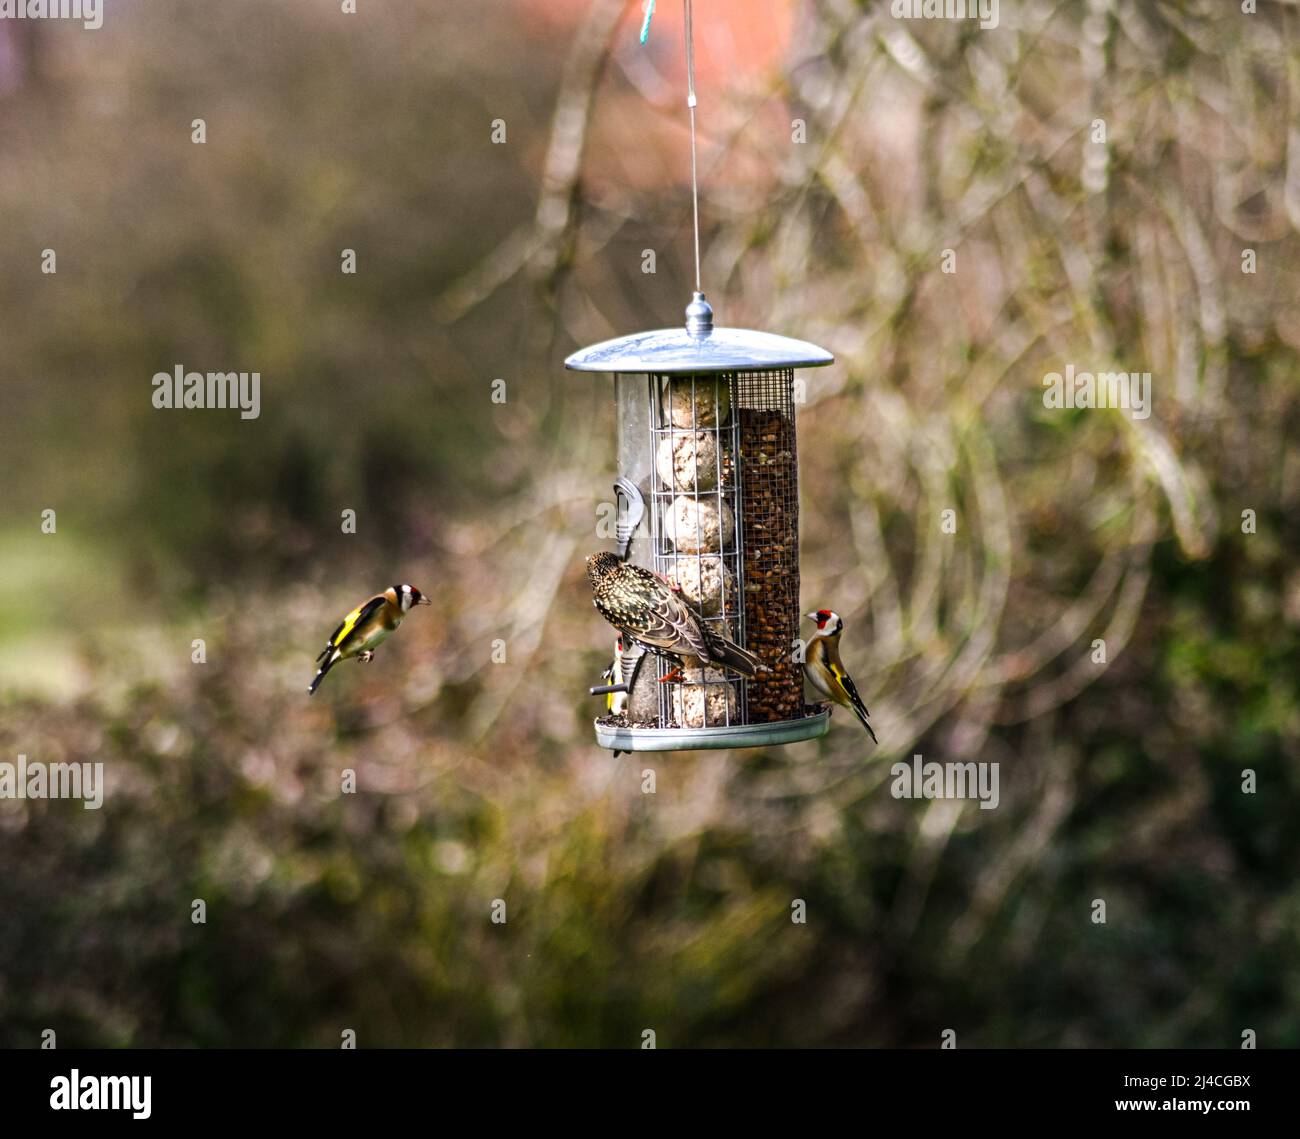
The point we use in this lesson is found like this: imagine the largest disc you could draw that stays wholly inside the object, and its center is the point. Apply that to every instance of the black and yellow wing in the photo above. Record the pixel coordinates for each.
(844, 682)
(349, 623)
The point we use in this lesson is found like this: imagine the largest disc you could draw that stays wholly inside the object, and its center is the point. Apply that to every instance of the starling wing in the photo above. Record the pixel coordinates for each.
(648, 611)
(641, 605)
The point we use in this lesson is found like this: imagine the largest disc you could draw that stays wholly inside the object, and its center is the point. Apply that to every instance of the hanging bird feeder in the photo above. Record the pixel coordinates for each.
(707, 460)
(706, 435)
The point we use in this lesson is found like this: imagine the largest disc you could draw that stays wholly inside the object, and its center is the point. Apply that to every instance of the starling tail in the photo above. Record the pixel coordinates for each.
(733, 656)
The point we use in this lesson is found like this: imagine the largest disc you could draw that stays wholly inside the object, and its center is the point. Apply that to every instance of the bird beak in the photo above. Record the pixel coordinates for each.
(424, 600)
(810, 616)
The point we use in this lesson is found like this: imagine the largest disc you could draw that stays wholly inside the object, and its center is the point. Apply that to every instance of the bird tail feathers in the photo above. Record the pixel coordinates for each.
(742, 660)
(861, 712)
(320, 674)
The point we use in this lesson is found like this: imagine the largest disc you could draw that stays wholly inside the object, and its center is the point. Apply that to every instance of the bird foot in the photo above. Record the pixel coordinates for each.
(366, 657)
(676, 674)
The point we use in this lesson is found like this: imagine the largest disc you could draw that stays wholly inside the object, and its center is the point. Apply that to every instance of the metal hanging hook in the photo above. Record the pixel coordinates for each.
(631, 509)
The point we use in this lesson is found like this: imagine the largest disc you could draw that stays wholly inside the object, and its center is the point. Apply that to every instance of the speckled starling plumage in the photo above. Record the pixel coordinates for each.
(648, 612)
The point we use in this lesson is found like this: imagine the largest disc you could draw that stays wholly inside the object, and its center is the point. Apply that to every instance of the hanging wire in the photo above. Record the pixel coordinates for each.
(649, 15)
(691, 103)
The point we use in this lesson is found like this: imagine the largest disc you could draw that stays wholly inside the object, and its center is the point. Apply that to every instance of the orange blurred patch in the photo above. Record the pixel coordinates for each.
(732, 37)
(638, 134)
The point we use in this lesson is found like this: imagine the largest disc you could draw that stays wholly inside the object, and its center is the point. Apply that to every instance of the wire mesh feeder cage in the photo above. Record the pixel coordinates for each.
(706, 444)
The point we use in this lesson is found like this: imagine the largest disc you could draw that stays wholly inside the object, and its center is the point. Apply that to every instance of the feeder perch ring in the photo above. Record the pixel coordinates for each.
(617, 738)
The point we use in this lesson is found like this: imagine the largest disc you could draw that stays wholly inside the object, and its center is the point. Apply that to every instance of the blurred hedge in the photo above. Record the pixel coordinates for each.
(478, 781)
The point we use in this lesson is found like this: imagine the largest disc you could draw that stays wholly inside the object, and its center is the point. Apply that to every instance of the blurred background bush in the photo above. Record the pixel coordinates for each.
(478, 780)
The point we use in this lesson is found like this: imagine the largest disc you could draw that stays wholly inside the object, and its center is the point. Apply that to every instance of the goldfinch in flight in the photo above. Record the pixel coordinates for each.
(649, 612)
(365, 627)
(824, 669)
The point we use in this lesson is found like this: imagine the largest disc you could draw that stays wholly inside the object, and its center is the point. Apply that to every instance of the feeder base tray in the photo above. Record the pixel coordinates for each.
(617, 738)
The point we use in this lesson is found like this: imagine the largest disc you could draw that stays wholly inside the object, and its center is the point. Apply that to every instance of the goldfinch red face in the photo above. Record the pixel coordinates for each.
(828, 621)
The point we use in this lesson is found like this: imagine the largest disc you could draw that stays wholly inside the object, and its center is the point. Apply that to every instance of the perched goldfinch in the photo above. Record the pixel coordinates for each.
(365, 627)
(824, 669)
(616, 702)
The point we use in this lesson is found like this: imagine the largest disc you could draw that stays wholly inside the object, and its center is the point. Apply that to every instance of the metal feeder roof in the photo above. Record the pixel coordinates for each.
(698, 348)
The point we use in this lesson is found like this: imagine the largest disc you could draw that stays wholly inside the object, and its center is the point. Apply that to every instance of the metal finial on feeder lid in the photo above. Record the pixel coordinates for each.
(699, 316)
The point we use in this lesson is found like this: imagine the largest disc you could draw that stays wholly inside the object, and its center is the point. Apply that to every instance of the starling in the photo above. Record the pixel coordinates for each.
(650, 613)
